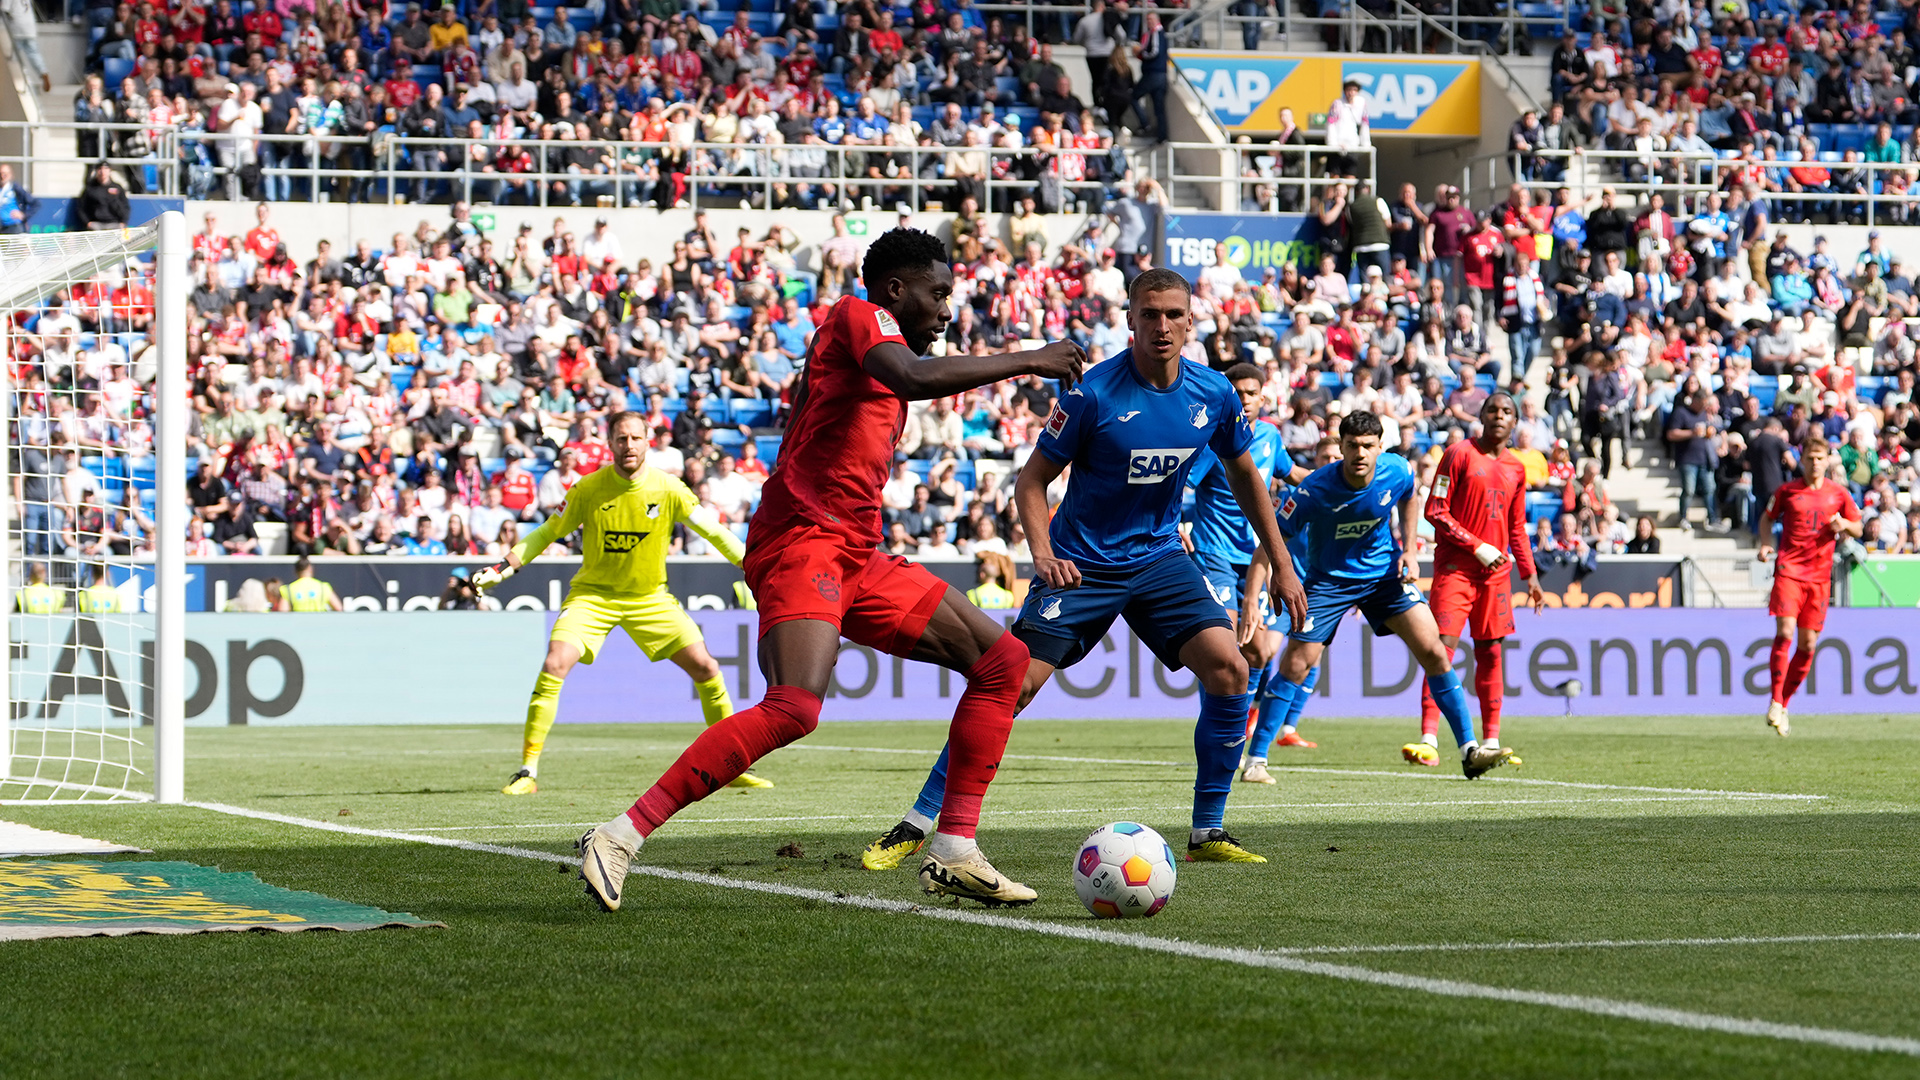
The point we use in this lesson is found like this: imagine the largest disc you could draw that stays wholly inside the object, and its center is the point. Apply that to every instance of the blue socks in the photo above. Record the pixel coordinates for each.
(1280, 708)
(1274, 711)
(1216, 749)
(1452, 699)
(932, 793)
(1300, 699)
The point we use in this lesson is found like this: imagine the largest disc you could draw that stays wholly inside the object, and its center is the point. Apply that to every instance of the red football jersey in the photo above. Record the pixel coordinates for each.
(1477, 500)
(1806, 544)
(839, 444)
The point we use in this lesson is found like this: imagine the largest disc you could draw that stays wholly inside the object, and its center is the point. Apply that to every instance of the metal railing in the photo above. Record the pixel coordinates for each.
(1701, 174)
(1294, 172)
(395, 169)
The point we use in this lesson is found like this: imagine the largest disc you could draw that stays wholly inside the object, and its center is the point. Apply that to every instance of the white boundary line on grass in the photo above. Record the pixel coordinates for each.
(1593, 1006)
(1643, 943)
(1399, 774)
(1115, 810)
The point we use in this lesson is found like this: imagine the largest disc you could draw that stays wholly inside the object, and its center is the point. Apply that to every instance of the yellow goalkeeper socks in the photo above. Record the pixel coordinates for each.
(541, 709)
(715, 705)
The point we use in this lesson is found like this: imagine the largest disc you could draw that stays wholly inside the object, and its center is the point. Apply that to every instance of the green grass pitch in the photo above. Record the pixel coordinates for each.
(1625, 830)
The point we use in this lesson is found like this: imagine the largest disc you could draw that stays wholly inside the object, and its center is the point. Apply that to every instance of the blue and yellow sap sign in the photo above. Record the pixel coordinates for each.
(1246, 91)
(1250, 242)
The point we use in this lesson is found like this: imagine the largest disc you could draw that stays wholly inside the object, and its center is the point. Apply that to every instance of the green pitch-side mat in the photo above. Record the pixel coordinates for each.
(46, 899)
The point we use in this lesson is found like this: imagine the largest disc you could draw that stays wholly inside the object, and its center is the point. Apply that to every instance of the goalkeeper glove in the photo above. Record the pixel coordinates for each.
(493, 575)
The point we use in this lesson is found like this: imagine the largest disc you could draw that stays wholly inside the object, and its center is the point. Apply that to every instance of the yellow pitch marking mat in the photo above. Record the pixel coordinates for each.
(45, 899)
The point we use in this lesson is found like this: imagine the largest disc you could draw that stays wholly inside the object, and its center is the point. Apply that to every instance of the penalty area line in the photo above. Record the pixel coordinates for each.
(1579, 1003)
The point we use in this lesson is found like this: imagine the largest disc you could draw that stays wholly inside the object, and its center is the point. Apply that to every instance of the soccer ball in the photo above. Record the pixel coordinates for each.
(1124, 871)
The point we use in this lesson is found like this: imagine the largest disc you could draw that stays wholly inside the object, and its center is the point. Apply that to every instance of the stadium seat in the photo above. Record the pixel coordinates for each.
(1543, 505)
(114, 70)
(753, 412)
(768, 447)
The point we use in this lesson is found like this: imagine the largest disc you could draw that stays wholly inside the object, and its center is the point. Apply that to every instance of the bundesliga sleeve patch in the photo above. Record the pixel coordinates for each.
(1286, 508)
(1442, 486)
(1057, 422)
(884, 320)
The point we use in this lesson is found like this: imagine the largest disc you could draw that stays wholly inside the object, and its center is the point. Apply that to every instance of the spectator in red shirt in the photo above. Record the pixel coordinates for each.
(262, 240)
(519, 491)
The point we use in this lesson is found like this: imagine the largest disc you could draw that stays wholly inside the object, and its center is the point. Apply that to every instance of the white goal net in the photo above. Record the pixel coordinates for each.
(93, 327)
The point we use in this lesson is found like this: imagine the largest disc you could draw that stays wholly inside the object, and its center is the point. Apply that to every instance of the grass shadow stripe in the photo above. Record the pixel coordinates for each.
(1453, 988)
(1395, 773)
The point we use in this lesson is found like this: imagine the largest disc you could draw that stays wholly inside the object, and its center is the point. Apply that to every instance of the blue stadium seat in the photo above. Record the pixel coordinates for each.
(753, 412)
(114, 70)
(769, 448)
(1543, 504)
(1763, 388)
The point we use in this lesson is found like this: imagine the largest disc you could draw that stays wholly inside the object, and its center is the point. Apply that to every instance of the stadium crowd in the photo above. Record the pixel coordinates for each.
(427, 397)
(657, 98)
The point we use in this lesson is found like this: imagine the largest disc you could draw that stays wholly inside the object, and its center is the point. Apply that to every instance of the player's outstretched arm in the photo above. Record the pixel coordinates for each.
(916, 379)
(529, 549)
(1251, 493)
(1030, 495)
(704, 521)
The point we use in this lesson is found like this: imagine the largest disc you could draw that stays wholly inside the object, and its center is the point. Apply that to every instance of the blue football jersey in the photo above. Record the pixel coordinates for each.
(1219, 528)
(1349, 533)
(1131, 447)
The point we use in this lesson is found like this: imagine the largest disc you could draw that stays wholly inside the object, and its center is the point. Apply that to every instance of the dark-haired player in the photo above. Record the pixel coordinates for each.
(1478, 509)
(814, 569)
(1224, 541)
(1812, 513)
(625, 514)
(1131, 430)
(1344, 511)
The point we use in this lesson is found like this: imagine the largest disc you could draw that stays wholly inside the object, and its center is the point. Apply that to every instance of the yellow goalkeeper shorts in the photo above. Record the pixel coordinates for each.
(657, 623)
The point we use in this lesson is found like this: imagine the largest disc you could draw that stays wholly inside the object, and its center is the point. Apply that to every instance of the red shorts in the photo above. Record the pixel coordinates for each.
(1482, 604)
(1805, 602)
(875, 599)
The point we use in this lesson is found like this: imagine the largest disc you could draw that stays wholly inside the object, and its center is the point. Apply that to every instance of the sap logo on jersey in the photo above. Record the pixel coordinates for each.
(1354, 530)
(1153, 466)
(617, 542)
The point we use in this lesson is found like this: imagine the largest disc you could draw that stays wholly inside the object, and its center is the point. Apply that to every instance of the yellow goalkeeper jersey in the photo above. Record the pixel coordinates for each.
(627, 526)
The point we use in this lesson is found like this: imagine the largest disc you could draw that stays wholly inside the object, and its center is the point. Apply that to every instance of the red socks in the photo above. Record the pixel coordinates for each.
(729, 747)
(1777, 667)
(1796, 673)
(1489, 684)
(981, 723)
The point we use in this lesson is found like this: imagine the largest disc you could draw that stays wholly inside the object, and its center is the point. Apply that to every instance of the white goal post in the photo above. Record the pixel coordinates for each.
(93, 330)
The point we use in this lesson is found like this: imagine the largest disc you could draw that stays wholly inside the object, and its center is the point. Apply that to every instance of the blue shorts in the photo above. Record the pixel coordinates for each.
(1228, 583)
(1166, 603)
(1380, 599)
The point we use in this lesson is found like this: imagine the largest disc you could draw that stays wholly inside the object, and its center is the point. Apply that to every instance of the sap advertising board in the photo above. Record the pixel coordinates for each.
(477, 667)
(1246, 91)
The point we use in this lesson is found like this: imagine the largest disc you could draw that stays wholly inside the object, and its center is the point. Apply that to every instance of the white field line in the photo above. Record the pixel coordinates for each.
(1647, 943)
(1102, 810)
(1398, 774)
(1593, 1006)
